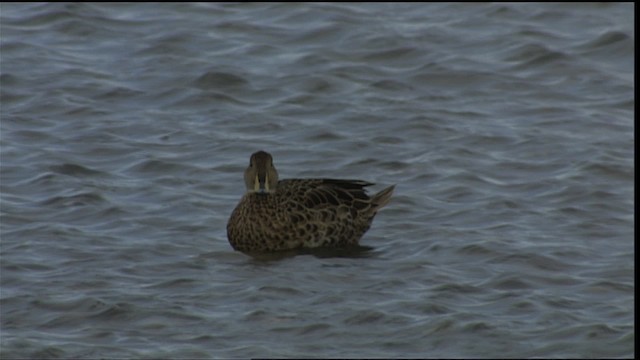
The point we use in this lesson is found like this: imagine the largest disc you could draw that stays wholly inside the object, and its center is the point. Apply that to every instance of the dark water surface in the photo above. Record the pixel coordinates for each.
(508, 129)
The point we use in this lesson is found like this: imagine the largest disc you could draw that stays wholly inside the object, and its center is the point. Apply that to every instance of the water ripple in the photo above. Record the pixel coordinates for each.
(125, 129)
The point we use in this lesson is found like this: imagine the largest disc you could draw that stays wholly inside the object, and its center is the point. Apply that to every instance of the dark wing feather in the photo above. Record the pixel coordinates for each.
(316, 193)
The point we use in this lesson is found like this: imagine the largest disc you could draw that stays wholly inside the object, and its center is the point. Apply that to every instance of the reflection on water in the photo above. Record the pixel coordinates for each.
(352, 252)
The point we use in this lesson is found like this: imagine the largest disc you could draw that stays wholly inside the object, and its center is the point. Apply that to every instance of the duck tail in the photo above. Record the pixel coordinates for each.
(382, 198)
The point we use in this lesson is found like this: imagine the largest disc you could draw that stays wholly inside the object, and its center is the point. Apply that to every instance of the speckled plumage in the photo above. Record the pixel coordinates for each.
(300, 213)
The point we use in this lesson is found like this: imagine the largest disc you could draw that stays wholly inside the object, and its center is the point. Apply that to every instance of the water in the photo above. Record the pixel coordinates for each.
(508, 129)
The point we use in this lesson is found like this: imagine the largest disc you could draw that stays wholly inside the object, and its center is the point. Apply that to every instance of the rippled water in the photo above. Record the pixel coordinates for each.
(508, 129)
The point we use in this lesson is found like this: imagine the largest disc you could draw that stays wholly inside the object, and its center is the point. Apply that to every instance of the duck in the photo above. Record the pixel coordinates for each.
(279, 215)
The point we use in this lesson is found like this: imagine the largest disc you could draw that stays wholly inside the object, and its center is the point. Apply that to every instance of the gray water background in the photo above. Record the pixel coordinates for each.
(508, 129)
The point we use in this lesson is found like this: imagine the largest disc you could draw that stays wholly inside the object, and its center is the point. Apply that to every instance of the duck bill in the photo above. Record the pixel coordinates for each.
(261, 183)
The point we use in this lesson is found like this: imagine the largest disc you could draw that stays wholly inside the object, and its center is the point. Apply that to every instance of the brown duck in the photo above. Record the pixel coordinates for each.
(276, 215)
